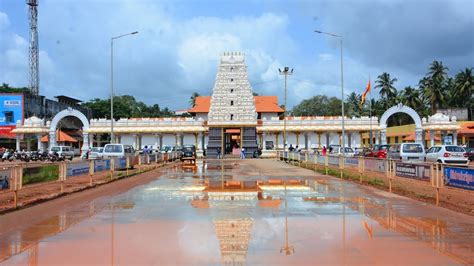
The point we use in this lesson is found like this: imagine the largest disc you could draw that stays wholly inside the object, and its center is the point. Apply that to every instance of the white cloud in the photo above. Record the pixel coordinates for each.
(4, 22)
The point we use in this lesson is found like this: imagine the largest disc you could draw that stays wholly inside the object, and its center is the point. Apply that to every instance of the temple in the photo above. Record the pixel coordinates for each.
(233, 118)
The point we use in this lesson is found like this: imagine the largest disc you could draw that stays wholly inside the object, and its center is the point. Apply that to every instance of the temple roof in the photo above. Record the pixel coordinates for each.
(263, 104)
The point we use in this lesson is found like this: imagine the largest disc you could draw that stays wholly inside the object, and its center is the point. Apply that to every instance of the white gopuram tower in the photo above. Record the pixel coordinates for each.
(232, 101)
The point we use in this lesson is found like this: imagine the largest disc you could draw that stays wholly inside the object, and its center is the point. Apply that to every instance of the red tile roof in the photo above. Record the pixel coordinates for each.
(60, 137)
(263, 104)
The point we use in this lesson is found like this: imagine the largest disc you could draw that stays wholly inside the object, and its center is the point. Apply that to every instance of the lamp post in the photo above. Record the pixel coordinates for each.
(286, 71)
(342, 86)
(112, 137)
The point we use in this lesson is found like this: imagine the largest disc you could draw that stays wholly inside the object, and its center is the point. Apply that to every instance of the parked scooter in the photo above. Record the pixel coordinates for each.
(8, 155)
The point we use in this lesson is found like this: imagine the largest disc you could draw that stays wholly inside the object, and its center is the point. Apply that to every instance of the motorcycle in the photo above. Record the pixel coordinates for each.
(8, 155)
(54, 156)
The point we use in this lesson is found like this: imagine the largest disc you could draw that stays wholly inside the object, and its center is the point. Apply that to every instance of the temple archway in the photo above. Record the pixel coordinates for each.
(400, 108)
(65, 113)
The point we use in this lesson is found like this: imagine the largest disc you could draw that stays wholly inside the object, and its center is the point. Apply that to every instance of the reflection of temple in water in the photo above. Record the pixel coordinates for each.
(234, 237)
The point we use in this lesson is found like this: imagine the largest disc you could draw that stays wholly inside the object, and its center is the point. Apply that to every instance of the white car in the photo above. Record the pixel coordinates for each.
(348, 152)
(117, 150)
(65, 152)
(447, 154)
(96, 153)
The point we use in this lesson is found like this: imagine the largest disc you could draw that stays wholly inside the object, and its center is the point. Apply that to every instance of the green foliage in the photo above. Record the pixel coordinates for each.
(319, 105)
(192, 99)
(40, 174)
(435, 90)
(125, 106)
(5, 88)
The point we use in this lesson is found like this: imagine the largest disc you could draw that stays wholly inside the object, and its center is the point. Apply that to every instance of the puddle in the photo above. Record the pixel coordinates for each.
(219, 215)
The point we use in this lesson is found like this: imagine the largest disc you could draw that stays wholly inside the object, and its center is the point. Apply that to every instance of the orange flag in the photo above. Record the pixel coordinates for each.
(364, 95)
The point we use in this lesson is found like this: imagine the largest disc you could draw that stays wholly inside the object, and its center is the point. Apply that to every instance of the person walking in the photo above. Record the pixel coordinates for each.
(242, 153)
(219, 153)
(324, 151)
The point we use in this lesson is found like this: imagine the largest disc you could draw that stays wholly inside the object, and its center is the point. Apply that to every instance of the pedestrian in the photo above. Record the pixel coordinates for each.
(324, 150)
(242, 153)
(291, 148)
(219, 153)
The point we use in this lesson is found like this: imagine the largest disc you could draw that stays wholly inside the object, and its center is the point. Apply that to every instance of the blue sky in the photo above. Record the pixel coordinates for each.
(178, 47)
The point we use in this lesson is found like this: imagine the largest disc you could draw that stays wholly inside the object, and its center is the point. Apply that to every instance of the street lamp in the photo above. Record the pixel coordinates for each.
(286, 71)
(112, 137)
(342, 86)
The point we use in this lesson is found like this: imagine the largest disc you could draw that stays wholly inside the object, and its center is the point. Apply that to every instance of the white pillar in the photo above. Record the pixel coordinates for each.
(200, 142)
(52, 139)
(383, 136)
(85, 143)
(419, 135)
(432, 140)
(28, 144)
(91, 140)
(455, 138)
(135, 141)
(377, 139)
(38, 142)
(157, 140)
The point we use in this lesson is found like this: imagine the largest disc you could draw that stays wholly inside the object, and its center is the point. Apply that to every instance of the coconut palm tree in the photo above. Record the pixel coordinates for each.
(387, 91)
(192, 99)
(434, 85)
(464, 84)
(354, 105)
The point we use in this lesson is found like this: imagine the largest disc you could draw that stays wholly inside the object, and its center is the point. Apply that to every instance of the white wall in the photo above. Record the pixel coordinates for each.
(169, 140)
(127, 139)
(201, 115)
(149, 140)
(268, 116)
(189, 139)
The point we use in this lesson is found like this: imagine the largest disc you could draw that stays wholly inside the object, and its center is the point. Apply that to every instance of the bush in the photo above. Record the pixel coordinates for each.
(40, 174)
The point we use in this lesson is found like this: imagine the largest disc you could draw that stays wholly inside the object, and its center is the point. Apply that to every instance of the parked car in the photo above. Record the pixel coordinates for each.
(96, 153)
(447, 154)
(189, 151)
(165, 149)
(348, 152)
(407, 152)
(117, 150)
(470, 153)
(63, 152)
(381, 151)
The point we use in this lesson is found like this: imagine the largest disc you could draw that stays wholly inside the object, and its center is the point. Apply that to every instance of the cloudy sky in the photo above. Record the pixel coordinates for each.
(179, 43)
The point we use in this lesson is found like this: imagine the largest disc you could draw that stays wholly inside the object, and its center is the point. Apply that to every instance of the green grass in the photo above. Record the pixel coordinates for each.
(40, 174)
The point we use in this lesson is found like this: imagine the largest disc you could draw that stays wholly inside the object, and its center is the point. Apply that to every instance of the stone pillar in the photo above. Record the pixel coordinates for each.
(177, 138)
(349, 139)
(91, 140)
(161, 140)
(306, 141)
(85, 143)
(157, 140)
(28, 144)
(52, 139)
(196, 140)
(319, 140)
(200, 144)
(419, 135)
(383, 136)
(276, 140)
(377, 139)
(339, 135)
(135, 141)
(264, 136)
(432, 138)
(455, 138)
(327, 139)
(38, 142)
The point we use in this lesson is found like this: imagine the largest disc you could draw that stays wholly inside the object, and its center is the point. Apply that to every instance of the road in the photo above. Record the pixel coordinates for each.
(219, 214)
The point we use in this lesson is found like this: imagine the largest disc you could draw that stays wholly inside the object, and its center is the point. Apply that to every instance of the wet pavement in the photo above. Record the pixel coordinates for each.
(255, 212)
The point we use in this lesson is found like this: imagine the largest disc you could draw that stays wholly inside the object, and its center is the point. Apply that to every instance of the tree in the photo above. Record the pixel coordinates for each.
(319, 105)
(464, 89)
(387, 91)
(353, 103)
(5, 88)
(192, 99)
(434, 85)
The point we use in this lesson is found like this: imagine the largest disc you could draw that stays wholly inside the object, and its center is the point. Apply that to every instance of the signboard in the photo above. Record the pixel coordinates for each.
(374, 165)
(351, 161)
(101, 165)
(11, 109)
(415, 171)
(74, 169)
(459, 177)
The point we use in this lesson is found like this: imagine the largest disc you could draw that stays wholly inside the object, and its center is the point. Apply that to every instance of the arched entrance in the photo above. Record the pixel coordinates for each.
(63, 114)
(400, 108)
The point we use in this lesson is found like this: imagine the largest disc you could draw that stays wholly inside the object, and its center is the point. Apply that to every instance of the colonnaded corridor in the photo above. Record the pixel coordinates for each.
(255, 212)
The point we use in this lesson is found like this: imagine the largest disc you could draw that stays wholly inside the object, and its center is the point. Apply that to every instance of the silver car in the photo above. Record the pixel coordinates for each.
(96, 153)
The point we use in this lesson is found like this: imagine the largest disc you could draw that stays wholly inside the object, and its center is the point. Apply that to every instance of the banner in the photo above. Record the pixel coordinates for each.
(459, 177)
(101, 165)
(415, 171)
(374, 165)
(73, 169)
(352, 161)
